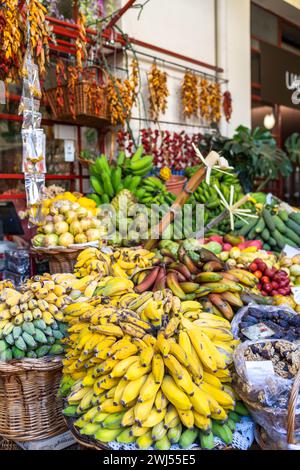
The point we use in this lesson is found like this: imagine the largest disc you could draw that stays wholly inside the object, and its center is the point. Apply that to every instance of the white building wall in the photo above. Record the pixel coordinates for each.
(189, 27)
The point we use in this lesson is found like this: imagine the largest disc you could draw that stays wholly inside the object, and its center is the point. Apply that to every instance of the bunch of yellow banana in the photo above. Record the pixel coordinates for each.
(136, 383)
(40, 298)
(119, 263)
(6, 284)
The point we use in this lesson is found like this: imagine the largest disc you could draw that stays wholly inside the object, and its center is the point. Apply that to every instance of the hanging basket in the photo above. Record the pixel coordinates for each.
(29, 406)
(90, 107)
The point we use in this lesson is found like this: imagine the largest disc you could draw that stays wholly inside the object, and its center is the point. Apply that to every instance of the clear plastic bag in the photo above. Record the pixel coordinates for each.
(34, 150)
(268, 400)
(293, 332)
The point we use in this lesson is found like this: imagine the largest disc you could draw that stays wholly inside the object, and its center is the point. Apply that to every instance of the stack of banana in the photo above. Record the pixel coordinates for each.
(138, 370)
(119, 262)
(31, 319)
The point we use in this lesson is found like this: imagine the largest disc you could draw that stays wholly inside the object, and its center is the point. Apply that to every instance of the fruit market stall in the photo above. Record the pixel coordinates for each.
(169, 318)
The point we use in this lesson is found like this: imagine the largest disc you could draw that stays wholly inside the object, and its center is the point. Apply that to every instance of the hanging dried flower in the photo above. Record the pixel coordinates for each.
(122, 95)
(13, 35)
(215, 97)
(227, 105)
(204, 101)
(190, 95)
(158, 89)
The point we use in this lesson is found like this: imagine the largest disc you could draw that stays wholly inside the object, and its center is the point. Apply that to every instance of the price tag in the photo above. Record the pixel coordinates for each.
(259, 371)
(296, 292)
(269, 198)
(2, 93)
(259, 331)
(69, 150)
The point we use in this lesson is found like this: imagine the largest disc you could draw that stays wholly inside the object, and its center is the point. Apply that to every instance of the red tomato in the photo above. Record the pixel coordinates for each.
(265, 279)
(258, 274)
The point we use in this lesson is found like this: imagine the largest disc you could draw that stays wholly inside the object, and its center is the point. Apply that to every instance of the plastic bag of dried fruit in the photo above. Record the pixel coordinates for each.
(264, 375)
(257, 322)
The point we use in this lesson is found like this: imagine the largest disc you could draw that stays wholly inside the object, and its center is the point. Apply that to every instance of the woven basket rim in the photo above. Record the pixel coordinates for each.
(78, 82)
(27, 364)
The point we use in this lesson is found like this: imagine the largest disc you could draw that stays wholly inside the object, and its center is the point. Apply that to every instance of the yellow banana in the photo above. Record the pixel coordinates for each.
(187, 418)
(121, 366)
(158, 368)
(132, 390)
(142, 410)
(173, 393)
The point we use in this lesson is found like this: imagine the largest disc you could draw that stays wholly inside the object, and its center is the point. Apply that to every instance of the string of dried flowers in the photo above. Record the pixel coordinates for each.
(227, 105)
(122, 95)
(13, 32)
(215, 102)
(190, 95)
(158, 89)
(204, 99)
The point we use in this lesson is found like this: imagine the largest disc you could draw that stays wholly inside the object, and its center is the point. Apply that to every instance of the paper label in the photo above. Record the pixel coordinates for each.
(69, 150)
(259, 331)
(2, 93)
(259, 371)
(296, 293)
(290, 251)
(269, 198)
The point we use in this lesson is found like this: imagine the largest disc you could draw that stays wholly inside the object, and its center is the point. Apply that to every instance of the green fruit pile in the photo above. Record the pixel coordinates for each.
(107, 180)
(275, 228)
(154, 191)
(207, 194)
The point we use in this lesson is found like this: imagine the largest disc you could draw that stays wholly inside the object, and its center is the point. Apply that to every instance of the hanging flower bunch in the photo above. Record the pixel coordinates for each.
(190, 95)
(134, 79)
(158, 89)
(122, 95)
(215, 98)
(81, 41)
(227, 105)
(204, 100)
(13, 35)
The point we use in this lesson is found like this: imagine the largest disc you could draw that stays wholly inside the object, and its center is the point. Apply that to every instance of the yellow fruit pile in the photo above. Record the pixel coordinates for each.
(136, 372)
(119, 263)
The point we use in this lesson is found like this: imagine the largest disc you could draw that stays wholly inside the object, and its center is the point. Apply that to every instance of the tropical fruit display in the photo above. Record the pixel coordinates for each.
(31, 318)
(109, 178)
(137, 369)
(68, 220)
(275, 227)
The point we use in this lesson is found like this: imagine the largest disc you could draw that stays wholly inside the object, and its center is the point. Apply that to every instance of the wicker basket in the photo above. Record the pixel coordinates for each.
(29, 406)
(89, 110)
(60, 261)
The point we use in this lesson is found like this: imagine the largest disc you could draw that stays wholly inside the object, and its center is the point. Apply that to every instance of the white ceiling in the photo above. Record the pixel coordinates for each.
(282, 8)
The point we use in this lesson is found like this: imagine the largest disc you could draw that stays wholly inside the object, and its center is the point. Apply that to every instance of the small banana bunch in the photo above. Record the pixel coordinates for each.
(31, 319)
(119, 263)
(129, 381)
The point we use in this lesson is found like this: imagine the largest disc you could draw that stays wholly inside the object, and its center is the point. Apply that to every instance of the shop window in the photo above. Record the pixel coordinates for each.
(290, 38)
(264, 25)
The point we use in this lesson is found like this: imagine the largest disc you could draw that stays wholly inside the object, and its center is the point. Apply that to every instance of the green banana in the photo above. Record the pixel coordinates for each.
(187, 438)
(206, 440)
